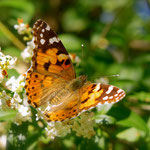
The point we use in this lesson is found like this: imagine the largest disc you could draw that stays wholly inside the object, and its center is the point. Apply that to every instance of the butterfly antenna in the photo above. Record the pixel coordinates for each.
(82, 51)
(114, 75)
(82, 58)
(106, 76)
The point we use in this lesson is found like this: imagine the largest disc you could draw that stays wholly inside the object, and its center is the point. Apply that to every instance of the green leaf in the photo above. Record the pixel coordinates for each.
(72, 21)
(7, 115)
(18, 5)
(17, 136)
(13, 51)
(104, 119)
(128, 118)
(131, 135)
(141, 96)
(71, 42)
(12, 72)
(127, 72)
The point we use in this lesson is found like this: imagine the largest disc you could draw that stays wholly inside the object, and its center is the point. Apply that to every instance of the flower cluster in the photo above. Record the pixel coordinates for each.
(82, 125)
(27, 52)
(6, 62)
(15, 87)
(24, 29)
(15, 101)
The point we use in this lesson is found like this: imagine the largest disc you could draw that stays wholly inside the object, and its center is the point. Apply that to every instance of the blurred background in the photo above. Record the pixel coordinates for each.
(116, 39)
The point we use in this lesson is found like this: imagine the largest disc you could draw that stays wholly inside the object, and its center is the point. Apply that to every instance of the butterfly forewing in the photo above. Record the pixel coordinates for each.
(50, 56)
(50, 65)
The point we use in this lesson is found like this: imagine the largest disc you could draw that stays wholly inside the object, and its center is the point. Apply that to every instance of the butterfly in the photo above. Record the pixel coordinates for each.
(51, 80)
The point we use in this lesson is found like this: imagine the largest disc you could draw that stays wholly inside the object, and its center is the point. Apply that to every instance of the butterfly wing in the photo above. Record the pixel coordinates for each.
(51, 66)
(89, 96)
(50, 56)
(97, 94)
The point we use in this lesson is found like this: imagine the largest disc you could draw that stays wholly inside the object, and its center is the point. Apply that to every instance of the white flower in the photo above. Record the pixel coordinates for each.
(24, 114)
(21, 28)
(21, 137)
(82, 125)
(23, 110)
(1, 76)
(3, 140)
(16, 85)
(15, 101)
(27, 53)
(6, 61)
(57, 129)
(3, 99)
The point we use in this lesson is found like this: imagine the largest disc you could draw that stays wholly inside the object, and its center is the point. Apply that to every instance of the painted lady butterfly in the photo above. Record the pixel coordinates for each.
(51, 80)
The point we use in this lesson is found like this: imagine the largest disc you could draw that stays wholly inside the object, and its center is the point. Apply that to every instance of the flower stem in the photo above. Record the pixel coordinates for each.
(11, 36)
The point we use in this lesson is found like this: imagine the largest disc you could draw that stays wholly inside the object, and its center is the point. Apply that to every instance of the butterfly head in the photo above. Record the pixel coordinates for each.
(83, 79)
(77, 83)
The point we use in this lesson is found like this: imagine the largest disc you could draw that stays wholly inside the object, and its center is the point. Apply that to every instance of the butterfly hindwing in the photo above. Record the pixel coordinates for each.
(89, 96)
(98, 94)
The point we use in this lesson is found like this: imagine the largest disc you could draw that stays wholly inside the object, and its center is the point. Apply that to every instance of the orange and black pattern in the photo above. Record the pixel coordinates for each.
(51, 80)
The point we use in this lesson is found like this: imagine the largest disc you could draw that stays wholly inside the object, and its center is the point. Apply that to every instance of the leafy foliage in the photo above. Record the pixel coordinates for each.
(116, 39)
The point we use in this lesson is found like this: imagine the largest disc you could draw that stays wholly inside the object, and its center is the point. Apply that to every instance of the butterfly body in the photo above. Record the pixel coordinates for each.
(51, 81)
(77, 83)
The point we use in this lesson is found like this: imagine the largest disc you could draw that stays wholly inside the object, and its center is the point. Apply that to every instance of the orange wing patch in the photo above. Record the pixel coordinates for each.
(51, 80)
(91, 96)
(97, 94)
(50, 56)
(67, 112)
(33, 88)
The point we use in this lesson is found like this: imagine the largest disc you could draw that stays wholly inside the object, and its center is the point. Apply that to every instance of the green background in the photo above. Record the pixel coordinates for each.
(116, 38)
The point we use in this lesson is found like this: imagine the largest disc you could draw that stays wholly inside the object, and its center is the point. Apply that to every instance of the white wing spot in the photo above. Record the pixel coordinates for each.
(97, 87)
(119, 91)
(116, 95)
(117, 98)
(41, 35)
(48, 27)
(109, 89)
(43, 30)
(54, 39)
(105, 98)
(111, 97)
(42, 41)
